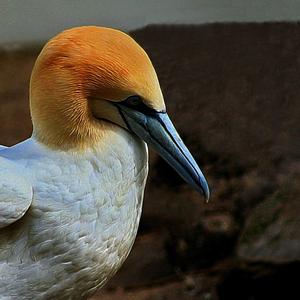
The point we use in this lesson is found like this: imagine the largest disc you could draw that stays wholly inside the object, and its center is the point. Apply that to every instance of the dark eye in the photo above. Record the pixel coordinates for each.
(133, 100)
(135, 103)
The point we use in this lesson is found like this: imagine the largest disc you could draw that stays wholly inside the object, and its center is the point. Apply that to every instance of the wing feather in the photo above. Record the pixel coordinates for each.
(15, 193)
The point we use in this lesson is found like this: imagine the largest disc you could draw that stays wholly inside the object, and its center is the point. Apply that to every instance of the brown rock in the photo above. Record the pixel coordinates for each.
(219, 223)
(147, 263)
(272, 230)
(173, 290)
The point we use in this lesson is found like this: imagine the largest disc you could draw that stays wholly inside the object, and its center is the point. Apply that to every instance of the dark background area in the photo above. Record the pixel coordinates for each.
(232, 91)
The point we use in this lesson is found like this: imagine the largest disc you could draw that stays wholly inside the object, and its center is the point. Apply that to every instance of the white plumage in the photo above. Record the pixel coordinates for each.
(82, 221)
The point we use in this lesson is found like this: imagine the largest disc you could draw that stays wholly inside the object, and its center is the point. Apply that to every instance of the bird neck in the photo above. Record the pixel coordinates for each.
(65, 122)
(60, 111)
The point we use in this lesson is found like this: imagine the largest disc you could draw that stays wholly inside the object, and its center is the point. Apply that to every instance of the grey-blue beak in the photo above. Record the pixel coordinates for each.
(157, 130)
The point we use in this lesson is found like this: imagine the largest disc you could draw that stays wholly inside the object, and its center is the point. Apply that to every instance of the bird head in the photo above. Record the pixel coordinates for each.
(90, 79)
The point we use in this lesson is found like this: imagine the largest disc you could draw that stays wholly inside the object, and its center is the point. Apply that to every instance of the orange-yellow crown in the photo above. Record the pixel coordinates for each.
(83, 63)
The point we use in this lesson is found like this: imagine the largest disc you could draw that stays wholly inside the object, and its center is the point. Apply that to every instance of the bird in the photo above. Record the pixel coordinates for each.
(71, 194)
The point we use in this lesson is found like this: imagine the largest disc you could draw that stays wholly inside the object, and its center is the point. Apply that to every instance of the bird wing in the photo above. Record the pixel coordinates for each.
(15, 193)
(2, 147)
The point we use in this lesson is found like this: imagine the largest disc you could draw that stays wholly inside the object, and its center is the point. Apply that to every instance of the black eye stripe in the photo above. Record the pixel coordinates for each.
(135, 102)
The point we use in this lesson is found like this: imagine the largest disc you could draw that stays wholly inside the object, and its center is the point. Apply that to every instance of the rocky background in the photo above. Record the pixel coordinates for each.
(232, 91)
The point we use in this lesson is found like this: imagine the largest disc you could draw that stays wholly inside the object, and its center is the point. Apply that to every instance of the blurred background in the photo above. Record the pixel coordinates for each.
(229, 71)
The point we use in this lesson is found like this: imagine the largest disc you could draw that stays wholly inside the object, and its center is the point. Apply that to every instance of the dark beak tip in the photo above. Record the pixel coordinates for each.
(204, 188)
(206, 196)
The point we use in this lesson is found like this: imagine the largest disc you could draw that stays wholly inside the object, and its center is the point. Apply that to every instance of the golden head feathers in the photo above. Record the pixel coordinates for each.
(81, 64)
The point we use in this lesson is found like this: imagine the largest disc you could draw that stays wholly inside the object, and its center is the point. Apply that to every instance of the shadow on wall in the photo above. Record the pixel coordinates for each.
(232, 90)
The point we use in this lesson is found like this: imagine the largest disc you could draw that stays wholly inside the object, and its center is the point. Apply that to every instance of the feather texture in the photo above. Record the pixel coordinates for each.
(82, 221)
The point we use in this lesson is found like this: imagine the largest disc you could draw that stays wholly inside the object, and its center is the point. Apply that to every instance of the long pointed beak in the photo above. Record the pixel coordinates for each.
(157, 130)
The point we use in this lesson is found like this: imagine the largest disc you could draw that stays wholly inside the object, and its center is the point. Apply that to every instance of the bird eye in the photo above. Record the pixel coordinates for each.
(133, 100)
(136, 103)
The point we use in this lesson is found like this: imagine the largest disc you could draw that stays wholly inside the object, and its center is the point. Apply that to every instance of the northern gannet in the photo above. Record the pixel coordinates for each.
(71, 195)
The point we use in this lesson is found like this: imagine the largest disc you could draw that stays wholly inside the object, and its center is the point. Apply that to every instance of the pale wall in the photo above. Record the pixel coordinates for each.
(33, 20)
